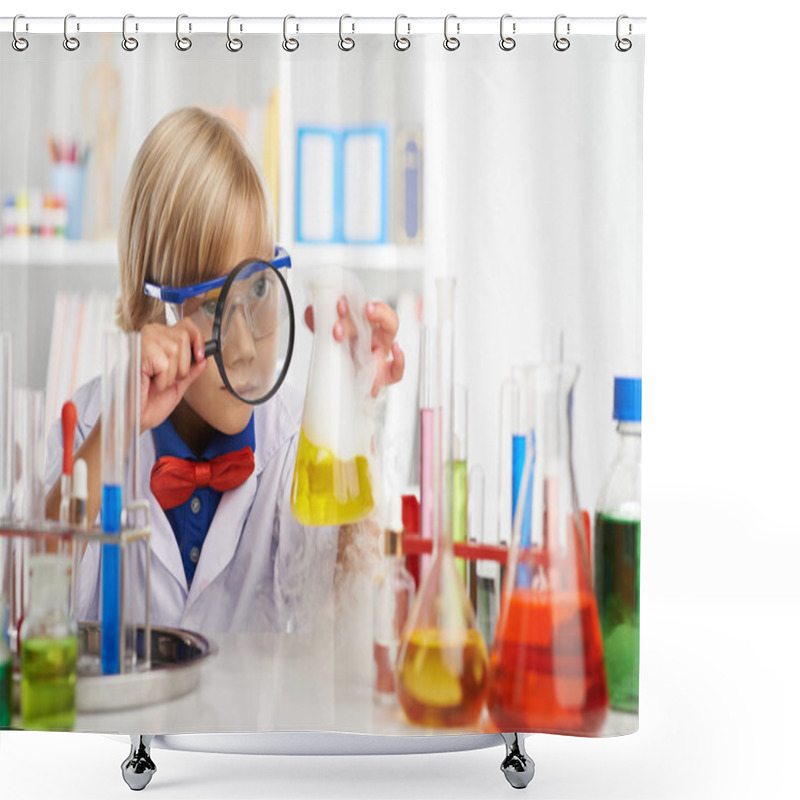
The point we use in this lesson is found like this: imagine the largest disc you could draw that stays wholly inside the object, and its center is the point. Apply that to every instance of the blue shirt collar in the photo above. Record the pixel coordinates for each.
(169, 443)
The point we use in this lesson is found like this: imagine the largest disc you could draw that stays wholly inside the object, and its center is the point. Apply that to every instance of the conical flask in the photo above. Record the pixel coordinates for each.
(442, 664)
(332, 483)
(547, 672)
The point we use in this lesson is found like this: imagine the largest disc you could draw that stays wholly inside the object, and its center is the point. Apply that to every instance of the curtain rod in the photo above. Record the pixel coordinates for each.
(326, 25)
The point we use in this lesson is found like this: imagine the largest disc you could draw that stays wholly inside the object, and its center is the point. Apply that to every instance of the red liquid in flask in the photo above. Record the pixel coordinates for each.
(547, 672)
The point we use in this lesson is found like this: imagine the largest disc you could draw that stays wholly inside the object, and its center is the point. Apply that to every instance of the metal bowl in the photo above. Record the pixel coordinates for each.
(176, 659)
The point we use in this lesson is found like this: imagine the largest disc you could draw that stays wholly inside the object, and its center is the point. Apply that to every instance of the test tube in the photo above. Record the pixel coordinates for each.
(552, 353)
(475, 527)
(485, 594)
(427, 407)
(523, 440)
(28, 492)
(459, 471)
(445, 299)
(120, 410)
(27, 502)
(510, 427)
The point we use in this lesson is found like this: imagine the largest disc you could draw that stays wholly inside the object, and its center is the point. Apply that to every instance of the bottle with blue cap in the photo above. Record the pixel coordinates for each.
(616, 550)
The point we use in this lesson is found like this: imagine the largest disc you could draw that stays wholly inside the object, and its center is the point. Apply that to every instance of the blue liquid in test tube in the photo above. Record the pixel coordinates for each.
(109, 626)
(518, 452)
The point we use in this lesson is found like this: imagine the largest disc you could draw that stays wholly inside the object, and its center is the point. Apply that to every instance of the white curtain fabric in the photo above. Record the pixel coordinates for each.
(531, 173)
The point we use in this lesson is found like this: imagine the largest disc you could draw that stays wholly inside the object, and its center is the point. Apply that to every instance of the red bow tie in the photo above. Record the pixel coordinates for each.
(173, 480)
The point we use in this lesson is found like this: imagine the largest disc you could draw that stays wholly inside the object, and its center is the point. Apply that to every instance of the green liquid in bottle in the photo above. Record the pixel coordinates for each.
(616, 582)
(460, 511)
(48, 683)
(5, 693)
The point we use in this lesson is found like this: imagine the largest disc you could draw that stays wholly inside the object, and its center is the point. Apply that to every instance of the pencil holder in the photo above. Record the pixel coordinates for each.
(67, 180)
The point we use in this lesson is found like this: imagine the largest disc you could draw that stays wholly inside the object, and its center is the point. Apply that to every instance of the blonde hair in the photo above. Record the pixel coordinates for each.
(192, 192)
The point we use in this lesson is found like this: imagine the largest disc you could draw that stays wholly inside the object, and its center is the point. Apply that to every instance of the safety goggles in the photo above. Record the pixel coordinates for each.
(199, 300)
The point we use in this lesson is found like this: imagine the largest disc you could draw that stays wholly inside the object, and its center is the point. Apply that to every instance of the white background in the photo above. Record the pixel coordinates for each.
(721, 544)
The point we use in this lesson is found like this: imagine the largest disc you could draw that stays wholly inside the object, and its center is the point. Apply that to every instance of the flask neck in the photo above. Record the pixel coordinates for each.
(551, 391)
(49, 587)
(630, 441)
(547, 508)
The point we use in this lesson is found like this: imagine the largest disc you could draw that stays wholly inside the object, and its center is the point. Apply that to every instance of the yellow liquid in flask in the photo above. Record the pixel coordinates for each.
(327, 490)
(442, 678)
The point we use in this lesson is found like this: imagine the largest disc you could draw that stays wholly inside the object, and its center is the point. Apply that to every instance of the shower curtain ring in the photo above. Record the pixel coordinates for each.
(233, 44)
(18, 42)
(623, 44)
(289, 44)
(346, 42)
(561, 43)
(183, 43)
(401, 42)
(451, 42)
(71, 43)
(507, 42)
(129, 43)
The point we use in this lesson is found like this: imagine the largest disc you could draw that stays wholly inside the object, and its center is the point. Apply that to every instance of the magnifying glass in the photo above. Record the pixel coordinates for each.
(247, 321)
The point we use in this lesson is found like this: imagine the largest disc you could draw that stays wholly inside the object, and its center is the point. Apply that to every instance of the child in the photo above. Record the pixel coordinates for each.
(194, 207)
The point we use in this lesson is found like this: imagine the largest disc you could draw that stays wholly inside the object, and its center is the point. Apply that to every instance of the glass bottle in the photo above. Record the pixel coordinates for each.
(332, 482)
(49, 651)
(442, 664)
(547, 672)
(393, 594)
(616, 555)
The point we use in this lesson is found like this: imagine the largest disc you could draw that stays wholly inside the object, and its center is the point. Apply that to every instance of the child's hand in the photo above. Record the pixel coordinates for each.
(167, 368)
(384, 323)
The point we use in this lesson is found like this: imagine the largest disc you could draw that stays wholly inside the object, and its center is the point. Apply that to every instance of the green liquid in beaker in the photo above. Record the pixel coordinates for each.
(5, 694)
(616, 581)
(48, 683)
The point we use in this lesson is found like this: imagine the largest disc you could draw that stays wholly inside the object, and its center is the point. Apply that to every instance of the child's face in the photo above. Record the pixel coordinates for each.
(208, 396)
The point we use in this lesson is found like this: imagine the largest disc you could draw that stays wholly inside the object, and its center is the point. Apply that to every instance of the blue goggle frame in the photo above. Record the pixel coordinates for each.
(178, 294)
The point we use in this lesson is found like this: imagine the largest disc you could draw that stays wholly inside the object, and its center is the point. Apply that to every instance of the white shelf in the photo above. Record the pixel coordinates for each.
(58, 252)
(380, 257)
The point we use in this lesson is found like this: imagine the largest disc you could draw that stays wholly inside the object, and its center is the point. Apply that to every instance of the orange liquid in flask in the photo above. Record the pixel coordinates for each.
(442, 677)
(547, 672)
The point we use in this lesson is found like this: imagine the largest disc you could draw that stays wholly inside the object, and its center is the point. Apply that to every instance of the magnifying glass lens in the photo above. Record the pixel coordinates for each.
(254, 331)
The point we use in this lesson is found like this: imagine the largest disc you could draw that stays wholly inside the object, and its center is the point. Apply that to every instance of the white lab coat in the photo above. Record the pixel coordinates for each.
(259, 569)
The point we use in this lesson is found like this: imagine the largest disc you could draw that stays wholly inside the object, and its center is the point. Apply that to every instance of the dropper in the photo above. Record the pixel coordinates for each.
(69, 420)
(80, 495)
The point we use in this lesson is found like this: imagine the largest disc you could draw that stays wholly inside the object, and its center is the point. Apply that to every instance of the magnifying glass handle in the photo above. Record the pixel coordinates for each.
(211, 348)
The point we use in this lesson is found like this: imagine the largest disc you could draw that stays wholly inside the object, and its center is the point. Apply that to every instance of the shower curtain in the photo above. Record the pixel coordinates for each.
(515, 170)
